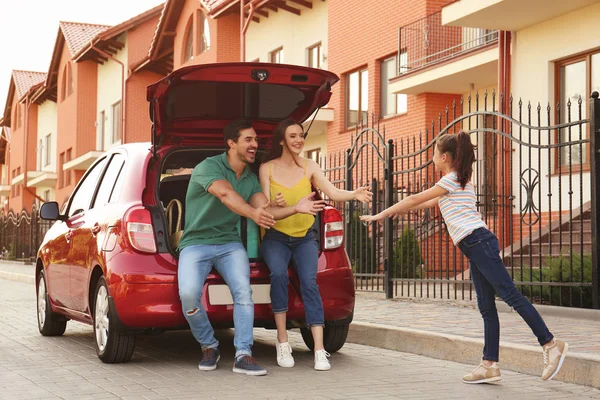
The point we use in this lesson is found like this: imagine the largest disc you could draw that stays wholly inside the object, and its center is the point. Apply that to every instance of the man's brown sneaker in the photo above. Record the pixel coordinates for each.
(554, 355)
(483, 374)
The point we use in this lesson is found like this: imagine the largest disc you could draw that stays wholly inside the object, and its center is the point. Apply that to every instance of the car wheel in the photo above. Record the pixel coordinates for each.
(49, 323)
(112, 346)
(334, 337)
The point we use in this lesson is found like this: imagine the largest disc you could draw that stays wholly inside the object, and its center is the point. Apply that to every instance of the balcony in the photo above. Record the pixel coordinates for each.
(507, 15)
(82, 162)
(4, 190)
(444, 59)
(43, 179)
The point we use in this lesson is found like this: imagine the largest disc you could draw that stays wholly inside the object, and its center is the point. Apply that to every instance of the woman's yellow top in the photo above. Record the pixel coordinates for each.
(298, 224)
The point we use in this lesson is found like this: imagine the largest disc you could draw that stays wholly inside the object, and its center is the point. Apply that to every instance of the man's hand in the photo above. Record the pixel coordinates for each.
(280, 200)
(363, 194)
(262, 218)
(307, 205)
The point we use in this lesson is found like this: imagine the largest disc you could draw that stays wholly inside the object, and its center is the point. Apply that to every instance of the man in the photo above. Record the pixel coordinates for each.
(221, 189)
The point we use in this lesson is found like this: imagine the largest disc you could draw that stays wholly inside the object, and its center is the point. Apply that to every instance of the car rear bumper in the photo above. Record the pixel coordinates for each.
(148, 304)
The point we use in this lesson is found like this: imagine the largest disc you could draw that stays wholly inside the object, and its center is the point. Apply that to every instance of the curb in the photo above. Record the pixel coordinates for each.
(578, 368)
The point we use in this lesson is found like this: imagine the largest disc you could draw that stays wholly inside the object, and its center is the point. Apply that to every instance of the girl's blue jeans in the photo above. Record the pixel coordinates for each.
(490, 276)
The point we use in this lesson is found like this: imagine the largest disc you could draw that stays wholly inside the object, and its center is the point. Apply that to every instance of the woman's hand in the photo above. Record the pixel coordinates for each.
(363, 194)
(280, 201)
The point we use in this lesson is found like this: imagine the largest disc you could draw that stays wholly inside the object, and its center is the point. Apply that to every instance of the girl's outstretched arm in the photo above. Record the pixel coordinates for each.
(415, 201)
(362, 194)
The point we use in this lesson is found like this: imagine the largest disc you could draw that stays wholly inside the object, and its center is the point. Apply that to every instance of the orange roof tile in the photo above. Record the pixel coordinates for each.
(213, 4)
(78, 35)
(25, 80)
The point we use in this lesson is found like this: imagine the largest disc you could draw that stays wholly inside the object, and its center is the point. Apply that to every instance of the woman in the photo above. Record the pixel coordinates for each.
(292, 237)
(454, 193)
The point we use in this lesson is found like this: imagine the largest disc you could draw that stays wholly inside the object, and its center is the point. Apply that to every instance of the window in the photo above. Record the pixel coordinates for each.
(48, 149)
(40, 152)
(314, 56)
(576, 77)
(313, 154)
(391, 103)
(67, 81)
(109, 179)
(276, 56)
(82, 197)
(46, 195)
(403, 62)
(117, 125)
(61, 177)
(357, 97)
(188, 42)
(203, 33)
(67, 172)
(18, 121)
(101, 130)
(18, 186)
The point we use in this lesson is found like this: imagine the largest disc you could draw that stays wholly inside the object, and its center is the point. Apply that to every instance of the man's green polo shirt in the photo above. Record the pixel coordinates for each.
(207, 220)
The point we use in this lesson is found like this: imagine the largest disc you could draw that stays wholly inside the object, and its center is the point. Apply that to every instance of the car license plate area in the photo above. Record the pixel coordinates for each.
(219, 295)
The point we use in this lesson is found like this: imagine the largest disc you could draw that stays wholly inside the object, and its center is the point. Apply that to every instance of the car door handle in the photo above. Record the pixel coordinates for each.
(96, 228)
(69, 235)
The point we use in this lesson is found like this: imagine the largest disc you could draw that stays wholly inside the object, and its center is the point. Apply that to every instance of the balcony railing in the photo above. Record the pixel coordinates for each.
(426, 41)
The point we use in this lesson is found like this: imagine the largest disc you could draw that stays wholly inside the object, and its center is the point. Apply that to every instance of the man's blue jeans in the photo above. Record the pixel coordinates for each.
(278, 249)
(490, 276)
(231, 262)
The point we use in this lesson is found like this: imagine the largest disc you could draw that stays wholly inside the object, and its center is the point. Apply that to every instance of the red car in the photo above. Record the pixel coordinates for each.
(107, 260)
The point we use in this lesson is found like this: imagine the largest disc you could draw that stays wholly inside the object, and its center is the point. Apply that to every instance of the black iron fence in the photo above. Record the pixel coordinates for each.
(21, 234)
(426, 41)
(536, 180)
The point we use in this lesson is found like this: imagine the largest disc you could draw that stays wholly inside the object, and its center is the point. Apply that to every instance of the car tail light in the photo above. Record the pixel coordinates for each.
(140, 232)
(333, 228)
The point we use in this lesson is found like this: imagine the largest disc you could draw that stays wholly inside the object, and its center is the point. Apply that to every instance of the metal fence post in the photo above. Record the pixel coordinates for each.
(389, 223)
(595, 194)
(374, 259)
(349, 218)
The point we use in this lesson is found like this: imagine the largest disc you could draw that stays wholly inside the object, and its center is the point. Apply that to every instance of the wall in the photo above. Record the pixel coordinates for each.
(353, 25)
(47, 124)
(110, 80)
(535, 49)
(295, 33)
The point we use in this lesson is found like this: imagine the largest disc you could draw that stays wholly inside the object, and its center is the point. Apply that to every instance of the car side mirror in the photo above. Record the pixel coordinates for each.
(50, 212)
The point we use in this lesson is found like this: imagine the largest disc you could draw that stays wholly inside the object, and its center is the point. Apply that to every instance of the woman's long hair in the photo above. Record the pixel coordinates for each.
(462, 151)
(276, 149)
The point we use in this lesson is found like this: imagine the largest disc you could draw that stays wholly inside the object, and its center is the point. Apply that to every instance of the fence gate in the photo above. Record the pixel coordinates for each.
(536, 179)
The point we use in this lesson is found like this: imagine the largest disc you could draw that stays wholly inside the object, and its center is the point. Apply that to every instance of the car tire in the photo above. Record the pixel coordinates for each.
(334, 337)
(49, 323)
(111, 345)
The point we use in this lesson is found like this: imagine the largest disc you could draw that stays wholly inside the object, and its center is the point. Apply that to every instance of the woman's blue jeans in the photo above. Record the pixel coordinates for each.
(278, 249)
(490, 276)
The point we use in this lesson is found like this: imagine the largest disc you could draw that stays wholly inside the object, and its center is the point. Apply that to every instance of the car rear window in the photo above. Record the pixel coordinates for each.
(256, 101)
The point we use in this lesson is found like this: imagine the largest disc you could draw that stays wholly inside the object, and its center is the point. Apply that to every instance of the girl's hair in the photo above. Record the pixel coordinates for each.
(462, 151)
(279, 136)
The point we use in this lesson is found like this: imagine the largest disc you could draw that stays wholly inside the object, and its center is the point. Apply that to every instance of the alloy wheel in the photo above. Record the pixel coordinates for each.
(101, 320)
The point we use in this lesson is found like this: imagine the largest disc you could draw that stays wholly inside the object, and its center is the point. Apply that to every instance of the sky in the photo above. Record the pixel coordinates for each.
(28, 29)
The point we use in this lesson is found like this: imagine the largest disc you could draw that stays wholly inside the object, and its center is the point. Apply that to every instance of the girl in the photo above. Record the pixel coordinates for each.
(286, 177)
(454, 156)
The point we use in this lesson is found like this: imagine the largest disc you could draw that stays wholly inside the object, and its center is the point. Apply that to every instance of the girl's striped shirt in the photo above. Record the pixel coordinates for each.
(459, 208)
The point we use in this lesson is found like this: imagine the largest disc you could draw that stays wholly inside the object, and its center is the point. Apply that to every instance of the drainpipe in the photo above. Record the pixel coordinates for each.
(504, 66)
(123, 108)
(244, 24)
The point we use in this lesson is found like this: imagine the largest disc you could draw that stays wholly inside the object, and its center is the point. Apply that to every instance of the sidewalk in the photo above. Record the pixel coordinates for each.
(453, 331)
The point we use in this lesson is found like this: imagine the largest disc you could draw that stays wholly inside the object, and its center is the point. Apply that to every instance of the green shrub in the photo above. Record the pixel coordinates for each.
(361, 249)
(407, 256)
(558, 269)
